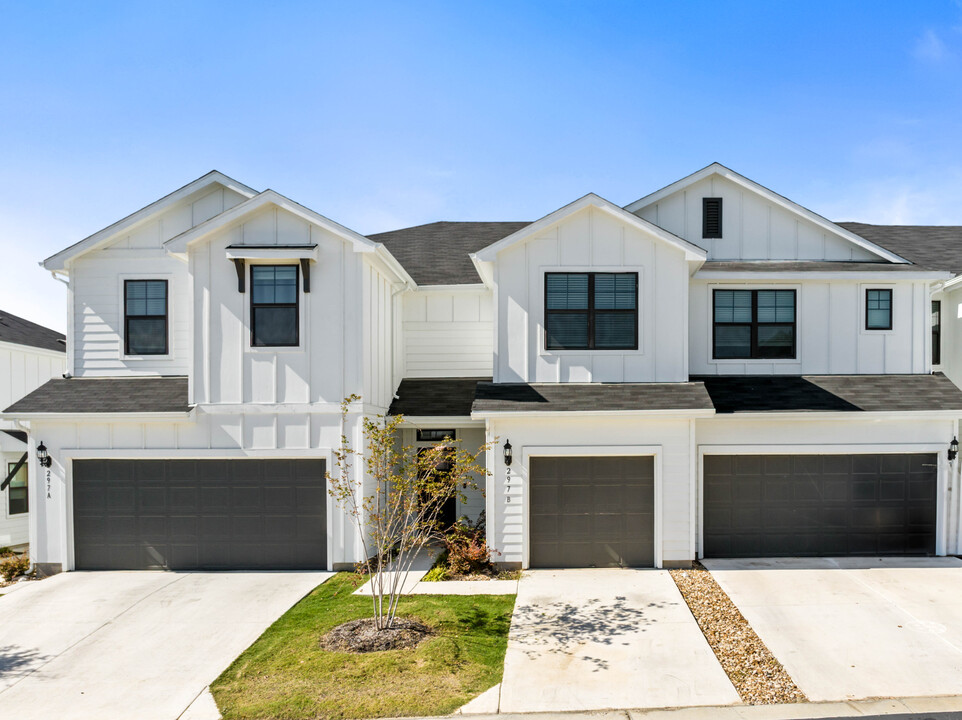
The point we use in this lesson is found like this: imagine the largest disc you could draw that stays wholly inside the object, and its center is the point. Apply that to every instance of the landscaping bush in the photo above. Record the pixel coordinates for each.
(467, 548)
(13, 566)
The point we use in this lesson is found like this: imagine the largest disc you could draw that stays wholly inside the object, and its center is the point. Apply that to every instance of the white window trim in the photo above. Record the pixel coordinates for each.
(6, 468)
(863, 289)
(302, 300)
(122, 308)
(797, 287)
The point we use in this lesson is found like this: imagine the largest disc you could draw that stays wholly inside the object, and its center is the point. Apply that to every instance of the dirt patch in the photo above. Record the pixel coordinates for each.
(361, 636)
(757, 676)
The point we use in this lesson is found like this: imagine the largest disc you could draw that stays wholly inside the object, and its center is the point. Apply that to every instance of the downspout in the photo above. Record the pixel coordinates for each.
(954, 544)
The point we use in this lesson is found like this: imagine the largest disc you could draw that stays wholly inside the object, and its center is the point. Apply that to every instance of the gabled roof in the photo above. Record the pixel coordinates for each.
(17, 331)
(771, 196)
(692, 252)
(58, 261)
(439, 253)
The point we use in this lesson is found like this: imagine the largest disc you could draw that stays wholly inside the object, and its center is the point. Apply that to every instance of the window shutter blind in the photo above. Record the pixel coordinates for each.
(711, 217)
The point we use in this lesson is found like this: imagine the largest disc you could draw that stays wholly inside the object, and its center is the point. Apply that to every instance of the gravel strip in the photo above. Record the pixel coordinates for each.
(757, 676)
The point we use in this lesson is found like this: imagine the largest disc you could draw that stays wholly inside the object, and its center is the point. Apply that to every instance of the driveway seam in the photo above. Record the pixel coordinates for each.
(91, 633)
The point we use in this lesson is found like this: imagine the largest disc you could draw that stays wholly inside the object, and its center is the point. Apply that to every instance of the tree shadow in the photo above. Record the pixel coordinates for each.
(560, 628)
(15, 659)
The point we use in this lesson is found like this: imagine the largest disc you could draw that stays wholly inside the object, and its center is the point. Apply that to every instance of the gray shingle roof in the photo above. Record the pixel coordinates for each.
(106, 395)
(932, 247)
(833, 393)
(437, 253)
(575, 397)
(18, 331)
(450, 397)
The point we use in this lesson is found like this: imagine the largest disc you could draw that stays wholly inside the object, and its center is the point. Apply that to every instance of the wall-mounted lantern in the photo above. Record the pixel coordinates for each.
(508, 457)
(953, 449)
(43, 457)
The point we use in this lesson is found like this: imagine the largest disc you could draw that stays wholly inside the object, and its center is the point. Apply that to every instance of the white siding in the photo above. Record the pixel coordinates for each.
(592, 240)
(752, 227)
(831, 335)
(380, 307)
(23, 369)
(448, 333)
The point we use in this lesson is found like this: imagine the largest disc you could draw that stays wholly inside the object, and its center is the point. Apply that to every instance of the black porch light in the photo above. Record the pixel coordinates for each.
(42, 456)
(953, 449)
(508, 457)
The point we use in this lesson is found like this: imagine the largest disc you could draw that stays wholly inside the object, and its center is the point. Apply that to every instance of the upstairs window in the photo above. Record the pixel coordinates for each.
(591, 311)
(274, 306)
(878, 309)
(17, 491)
(754, 324)
(711, 217)
(145, 317)
(936, 332)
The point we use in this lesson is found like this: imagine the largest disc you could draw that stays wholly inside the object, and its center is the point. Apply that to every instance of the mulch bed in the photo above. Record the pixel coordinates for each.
(757, 676)
(361, 636)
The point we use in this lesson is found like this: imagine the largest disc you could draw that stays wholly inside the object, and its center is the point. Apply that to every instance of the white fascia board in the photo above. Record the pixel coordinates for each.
(386, 261)
(17, 347)
(854, 416)
(101, 417)
(305, 252)
(950, 285)
(771, 196)
(448, 289)
(762, 274)
(58, 261)
(685, 414)
(179, 243)
(454, 421)
(489, 254)
(485, 269)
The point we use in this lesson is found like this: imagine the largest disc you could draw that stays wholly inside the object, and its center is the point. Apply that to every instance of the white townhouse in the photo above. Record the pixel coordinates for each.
(30, 355)
(711, 371)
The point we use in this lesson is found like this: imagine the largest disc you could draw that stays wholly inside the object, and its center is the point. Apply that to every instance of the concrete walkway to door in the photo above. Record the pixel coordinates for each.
(139, 645)
(603, 639)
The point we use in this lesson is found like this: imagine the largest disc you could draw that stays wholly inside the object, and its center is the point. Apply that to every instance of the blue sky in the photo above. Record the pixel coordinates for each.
(387, 115)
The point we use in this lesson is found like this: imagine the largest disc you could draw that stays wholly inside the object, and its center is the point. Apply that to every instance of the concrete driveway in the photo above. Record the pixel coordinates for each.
(600, 639)
(852, 628)
(131, 644)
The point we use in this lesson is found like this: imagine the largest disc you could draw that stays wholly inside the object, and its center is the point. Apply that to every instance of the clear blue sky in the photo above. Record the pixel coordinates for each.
(387, 115)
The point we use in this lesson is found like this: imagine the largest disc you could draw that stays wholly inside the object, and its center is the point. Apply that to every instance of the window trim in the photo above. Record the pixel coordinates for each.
(891, 308)
(296, 305)
(753, 325)
(10, 466)
(166, 352)
(936, 334)
(590, 311)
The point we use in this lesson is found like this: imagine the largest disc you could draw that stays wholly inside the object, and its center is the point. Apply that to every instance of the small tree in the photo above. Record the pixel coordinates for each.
(402, 514)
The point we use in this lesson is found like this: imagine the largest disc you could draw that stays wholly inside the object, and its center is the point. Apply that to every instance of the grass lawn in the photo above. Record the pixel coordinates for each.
(285, 673)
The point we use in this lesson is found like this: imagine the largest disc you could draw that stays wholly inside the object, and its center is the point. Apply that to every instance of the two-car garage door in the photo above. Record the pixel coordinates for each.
(199, 514)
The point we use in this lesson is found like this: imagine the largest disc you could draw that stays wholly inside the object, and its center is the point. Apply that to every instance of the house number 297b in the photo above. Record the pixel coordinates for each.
(507, 485)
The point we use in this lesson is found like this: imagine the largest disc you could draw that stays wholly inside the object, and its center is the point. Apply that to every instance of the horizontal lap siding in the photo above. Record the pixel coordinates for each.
(448, 334)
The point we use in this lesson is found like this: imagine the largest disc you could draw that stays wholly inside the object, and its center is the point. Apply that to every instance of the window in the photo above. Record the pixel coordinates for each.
(936, 332)
(435, 435)
(17, 490)
(711, 217)
(878, 309)
(754, 324)
(145, 317)
(591, 311)
(274, 312)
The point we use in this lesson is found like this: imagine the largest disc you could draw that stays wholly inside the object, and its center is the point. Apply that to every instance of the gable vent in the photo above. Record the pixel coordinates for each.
(711, 217)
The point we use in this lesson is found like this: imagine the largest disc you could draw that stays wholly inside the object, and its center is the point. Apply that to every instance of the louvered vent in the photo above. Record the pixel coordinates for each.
(711, 217)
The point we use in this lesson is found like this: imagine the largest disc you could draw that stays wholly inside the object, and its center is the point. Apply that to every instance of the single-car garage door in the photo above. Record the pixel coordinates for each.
(819, 505)
(592, 512)
(199, 514)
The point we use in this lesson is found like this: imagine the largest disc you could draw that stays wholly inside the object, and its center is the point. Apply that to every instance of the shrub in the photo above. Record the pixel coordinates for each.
(13, 566)
(467, 548)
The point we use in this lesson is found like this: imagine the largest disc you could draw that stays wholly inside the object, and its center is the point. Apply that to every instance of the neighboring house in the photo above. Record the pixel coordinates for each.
(713, 370)
(30, 355)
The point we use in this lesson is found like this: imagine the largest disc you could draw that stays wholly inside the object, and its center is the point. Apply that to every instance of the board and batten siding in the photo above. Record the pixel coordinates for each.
(96, 332)
(594, 241)
(753, 228)
(831, 336)
(448, 332)
(23, 369)
(381, 306)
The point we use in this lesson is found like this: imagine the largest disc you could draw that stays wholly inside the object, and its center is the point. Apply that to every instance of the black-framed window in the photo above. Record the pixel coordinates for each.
(17, 503)
(435, 435)
(274, 306)
(753, 324)
(711, 217)
(878, 309)
(591, 311)
(145, 317)
(936, 332)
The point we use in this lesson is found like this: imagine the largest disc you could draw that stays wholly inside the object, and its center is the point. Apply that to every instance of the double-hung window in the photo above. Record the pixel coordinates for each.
(145, 317)
(878, 309)
(591, 311)
(753, 324)
(274, 306)
(17, 490)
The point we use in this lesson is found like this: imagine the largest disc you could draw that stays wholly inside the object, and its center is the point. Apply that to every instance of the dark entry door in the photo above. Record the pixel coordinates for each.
(592, 512)
(820, 505)
(199, 514)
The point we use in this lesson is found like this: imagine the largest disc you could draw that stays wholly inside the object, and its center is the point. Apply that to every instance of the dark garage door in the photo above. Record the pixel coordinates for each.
(592, 512)
(818, 505)
(199, 514)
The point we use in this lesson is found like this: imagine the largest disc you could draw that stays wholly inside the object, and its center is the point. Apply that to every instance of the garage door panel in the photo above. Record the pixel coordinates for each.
(199, 514)
(828, 505)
